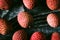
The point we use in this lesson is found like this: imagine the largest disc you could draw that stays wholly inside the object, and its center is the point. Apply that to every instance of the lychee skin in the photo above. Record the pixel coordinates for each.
(20, 35)
(5, 27)
(29, 3)
(55, 36)
(5, 4)
(53, 4)
(37, 36)
(53, 20)
(24, 19)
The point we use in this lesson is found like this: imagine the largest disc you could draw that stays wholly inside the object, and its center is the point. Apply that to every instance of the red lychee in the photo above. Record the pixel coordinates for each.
(24, 19)
(20, 35)
(53, 20)
(37, 36)
(53, 4)
(5, 4)
(55, 36)
(29, 3)
(5, 27)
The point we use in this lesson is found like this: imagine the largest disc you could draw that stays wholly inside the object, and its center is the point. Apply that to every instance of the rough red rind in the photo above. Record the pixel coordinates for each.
(53, 20)
(20, 35)
(5, 4)
(55, 36)
(29, 3)
(24, 19)
(5, 27)
(38, 36)
(53, 4)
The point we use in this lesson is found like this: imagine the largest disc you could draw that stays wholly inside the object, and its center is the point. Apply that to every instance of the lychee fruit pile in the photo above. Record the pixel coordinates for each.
(25, 20)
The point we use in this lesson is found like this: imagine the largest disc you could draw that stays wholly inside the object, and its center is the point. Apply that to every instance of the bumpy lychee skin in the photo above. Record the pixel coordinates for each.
(20, 35)
(53, 4)
(37, 36)
(53, 20)
(24, 19)
(5, 4)
(4, 27)
(55, 36)
(29, 3)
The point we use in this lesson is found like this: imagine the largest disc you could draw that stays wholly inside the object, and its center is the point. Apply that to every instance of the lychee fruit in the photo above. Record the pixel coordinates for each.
(38, 36)
(55, 36)
(5, 4)
(19, 35)
(29, 3)
(53, 20)
(24, 19)
(5, 27)
(53, 4)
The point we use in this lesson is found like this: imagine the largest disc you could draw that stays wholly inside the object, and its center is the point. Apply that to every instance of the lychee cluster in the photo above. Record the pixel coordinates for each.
(25, 20)
(30, 4)
(22, 35)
